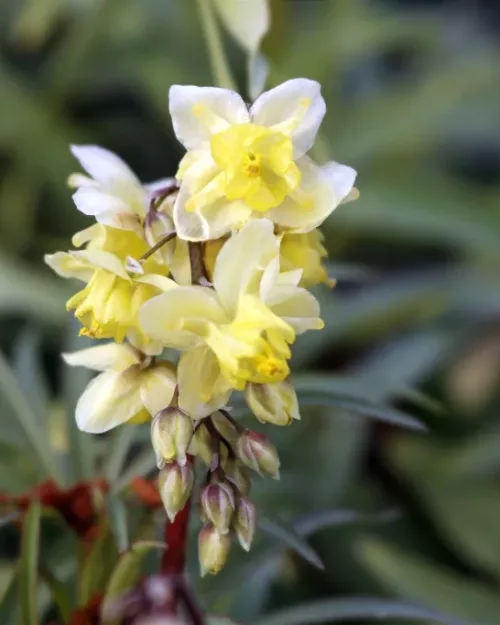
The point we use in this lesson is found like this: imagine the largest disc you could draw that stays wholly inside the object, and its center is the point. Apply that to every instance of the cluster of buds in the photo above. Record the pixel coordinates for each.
(229, 453)
(215, 263)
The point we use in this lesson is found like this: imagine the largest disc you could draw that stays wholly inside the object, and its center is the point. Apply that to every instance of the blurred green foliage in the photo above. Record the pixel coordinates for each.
(413, 100)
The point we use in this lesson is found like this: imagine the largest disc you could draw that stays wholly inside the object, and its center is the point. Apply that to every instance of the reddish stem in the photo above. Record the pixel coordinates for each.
(176, 538)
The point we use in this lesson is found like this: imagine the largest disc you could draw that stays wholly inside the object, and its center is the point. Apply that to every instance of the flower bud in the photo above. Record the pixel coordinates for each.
(175, 483)
(217, 500)
(158, 225)
(202, 445)
(273, 403)
(258, 453)
(238, 476)
(245, 522)
(213, 549)
(171, 433)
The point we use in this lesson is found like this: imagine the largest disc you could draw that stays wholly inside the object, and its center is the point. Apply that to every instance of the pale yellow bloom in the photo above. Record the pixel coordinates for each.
(130, 387)
(107, 307)
(305, 251)
(111, 192)
(239, 331)
(245, 164)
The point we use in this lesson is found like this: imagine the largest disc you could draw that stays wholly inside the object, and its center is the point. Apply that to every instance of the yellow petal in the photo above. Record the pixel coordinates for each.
(157, 387)
(115, 356)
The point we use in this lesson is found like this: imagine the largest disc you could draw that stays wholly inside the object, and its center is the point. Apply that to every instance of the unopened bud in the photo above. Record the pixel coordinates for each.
(175, 483)
(238, 476)
(213, 549)
(202, 445)
(158, 225)
(245, 522)
(258, 453)
(171, 433)
(273, 403)
(217, 500)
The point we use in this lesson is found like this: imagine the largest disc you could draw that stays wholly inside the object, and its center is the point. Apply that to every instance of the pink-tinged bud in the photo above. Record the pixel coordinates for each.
(171, 433)
(202, 445)
(238, 475)
(213, 549)
(273, 403)
(158, 225)
(245, 522)
(258, 453)
(217, 500)
(175, 483)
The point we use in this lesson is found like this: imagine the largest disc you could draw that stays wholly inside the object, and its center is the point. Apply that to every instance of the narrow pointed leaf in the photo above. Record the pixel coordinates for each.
(28, 565)
(292, 540)
(354, 609)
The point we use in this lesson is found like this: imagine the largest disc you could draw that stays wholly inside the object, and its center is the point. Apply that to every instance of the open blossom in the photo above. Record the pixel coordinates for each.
(107, 307)
(111, 193)
(245, 163)
(241, 330)
(129, 387)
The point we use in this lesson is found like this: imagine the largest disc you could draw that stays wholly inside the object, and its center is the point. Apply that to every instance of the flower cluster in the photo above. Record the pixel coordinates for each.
(214, 264)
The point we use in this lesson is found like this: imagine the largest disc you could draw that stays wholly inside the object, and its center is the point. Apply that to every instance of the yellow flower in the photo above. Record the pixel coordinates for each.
(246, 164)
(129, 389)
(239, 331)
(107, 307)
(305, 251)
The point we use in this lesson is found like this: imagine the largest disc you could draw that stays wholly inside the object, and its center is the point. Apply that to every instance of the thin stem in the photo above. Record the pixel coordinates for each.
(196, 262)
(156, 247)
(218, 61)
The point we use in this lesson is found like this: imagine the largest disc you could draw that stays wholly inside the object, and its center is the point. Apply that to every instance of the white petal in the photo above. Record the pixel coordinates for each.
(342, 178)
(67, 266)
(109, 400)
(241, 258)
(296, 107)
(160, 282)
(84, 236)
(157, 388)
(319, 194)
(103, 165)
(189, 226)
(197, 370)
(115, 356)
(102, 260)
(179, 317)
(94, 202)
(158, 185)
(247, 21)
(199, 112)
(297, 307)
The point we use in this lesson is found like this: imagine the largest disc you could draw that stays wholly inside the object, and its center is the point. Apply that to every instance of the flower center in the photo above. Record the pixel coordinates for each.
(257, 164)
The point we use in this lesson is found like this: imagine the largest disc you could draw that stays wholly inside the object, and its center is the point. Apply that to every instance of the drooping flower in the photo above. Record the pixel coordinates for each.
(107, 306)
(129, 387)
(111, 192)
(245, 163)
(239, 331)
(305, 251)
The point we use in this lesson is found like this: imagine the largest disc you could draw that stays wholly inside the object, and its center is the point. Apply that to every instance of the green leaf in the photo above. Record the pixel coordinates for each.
(97, 566)
(128, 569)
(28, 370)
(309, 524)
(426, 582)
(118, 451)
(292, 540)
(118, 521)
(143, 464)
(59, 592)
(353, 609)
(29, 422)
(465, 508)
(81, 451)
(360, 407)
(30, 294)
(28, 565)
(9, 601)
